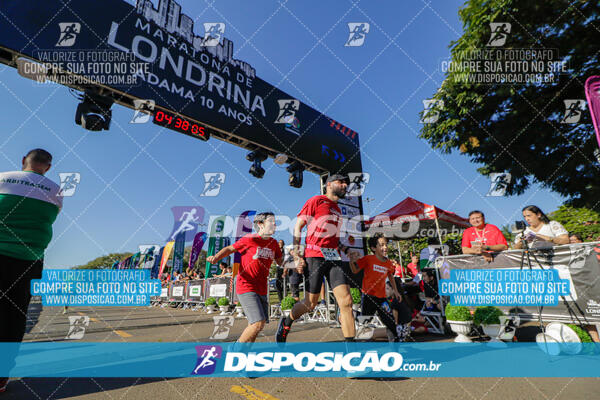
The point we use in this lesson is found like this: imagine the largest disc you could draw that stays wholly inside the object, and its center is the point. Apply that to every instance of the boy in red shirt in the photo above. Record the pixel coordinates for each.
(376, 269)
(258, 251)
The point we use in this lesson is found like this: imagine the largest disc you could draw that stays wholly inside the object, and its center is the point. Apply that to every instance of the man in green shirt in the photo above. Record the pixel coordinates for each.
(29, 204)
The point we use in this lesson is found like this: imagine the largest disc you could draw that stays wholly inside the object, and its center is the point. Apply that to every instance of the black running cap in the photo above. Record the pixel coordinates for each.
(338, 177)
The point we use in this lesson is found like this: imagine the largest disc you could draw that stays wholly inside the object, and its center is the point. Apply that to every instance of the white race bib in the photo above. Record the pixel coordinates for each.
(330, 254)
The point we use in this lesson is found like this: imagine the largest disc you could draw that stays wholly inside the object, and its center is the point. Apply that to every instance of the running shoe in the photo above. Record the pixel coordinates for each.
(3, 384)
(282, 331)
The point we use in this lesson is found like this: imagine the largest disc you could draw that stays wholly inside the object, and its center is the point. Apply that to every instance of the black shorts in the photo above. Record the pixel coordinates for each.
(335, 272)
(295, 289)
(372, 305)
(404, 314)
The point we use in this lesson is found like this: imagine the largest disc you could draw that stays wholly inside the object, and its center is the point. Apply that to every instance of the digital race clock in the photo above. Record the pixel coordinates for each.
(180, 124)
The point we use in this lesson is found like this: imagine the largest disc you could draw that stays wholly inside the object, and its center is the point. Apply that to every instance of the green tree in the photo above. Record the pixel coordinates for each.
(581, 221)
(104, 261)
(517, 127)
(507, 232)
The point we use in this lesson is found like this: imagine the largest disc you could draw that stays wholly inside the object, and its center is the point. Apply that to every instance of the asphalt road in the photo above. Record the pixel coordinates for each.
(145, 324)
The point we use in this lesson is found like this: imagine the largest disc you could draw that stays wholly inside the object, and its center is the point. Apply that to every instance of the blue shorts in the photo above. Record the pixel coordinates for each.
(256, 307)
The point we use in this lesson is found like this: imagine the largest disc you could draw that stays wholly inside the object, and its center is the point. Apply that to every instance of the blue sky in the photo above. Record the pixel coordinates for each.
(133, 174)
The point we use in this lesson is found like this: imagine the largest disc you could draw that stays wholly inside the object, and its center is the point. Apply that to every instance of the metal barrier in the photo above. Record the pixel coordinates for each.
(186, 293)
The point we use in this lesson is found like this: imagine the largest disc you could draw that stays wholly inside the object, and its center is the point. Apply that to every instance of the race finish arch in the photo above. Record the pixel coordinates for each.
(150, 52)
(148, 57)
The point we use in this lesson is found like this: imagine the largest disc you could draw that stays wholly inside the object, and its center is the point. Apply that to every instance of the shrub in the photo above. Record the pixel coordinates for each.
(287, 303)
(583, 335)
(223, 301)
(211, 301)
(355, 293)
(488, 315)
(458, 313)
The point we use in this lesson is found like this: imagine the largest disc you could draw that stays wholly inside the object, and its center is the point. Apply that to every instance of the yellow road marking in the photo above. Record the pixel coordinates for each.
(123, 334)
(91, 318)
(251, 393)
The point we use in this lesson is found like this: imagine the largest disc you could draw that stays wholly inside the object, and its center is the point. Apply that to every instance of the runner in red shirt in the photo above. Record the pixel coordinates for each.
(482, 238)
(323, 217)
(258, 251)
(377, 269)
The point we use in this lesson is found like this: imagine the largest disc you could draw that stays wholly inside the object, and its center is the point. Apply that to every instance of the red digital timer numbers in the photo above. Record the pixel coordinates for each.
(180, 125)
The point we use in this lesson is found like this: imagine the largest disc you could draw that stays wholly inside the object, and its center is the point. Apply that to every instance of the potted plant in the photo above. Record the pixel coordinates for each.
(355, 293)
(210, 304)
(286, 305)
(583, 335)
(239, 310)
(489, 319)
(460, 320)
(224, 305)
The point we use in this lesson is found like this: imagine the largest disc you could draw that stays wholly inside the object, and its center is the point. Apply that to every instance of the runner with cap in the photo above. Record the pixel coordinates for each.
(322, 216)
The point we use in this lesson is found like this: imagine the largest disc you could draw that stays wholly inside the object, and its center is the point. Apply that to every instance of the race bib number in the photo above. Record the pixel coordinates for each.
(330, 254)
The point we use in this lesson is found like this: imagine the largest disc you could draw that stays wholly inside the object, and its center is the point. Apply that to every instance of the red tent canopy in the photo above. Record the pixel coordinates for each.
(412, 218)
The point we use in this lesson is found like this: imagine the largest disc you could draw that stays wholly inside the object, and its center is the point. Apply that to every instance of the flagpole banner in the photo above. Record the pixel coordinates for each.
(179, 248)
(328, 359)
(135, 259)
(244, 227)
(168, 249)
(216, 242)
(562, 282)
(592, 93)
(157, 260)
(197, 245)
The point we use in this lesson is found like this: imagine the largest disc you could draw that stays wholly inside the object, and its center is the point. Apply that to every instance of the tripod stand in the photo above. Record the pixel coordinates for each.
(526, 256)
